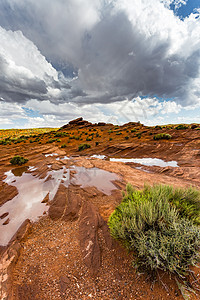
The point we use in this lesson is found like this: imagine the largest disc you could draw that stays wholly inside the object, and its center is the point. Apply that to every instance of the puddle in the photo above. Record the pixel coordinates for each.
(32, 191)
(98, 156)
(51, 154)
(148, 161)
(62, 158)
(27, 204)
(98, 178)
(141, 168)
(32, 168)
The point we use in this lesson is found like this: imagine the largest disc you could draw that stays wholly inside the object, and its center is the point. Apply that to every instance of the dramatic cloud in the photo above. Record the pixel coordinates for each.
(25, 73)
(77, 52)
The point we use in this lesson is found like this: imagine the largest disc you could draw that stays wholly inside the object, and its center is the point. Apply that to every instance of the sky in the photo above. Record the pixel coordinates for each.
(114, 61)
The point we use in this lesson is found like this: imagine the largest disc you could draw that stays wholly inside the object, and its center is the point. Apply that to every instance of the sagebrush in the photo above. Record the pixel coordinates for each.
(160, 230)
(18, 160)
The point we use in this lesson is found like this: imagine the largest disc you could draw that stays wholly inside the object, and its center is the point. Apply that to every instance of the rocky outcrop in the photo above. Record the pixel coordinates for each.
(57, 206)
(8, 260)
(7, 192)
(101, 124)
(77, 122)
(89, 224)
(66, 204)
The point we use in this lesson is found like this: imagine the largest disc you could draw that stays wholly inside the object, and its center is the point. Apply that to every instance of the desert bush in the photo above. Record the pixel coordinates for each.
(63, 145)
(51, 140)
(96, 143)
(4, 142)
(88, 139)
(110, 139)
(18, 160)
(139, 134)
(61, 134)
(126, 137)
(162, 136)
(118, 133)
(83, 147)
(149, 223)
(181, 126)
(133, 130)
(194, 126)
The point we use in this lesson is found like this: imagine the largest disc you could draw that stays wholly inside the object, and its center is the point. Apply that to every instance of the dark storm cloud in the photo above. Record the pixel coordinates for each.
(119, 49)
(19, 88)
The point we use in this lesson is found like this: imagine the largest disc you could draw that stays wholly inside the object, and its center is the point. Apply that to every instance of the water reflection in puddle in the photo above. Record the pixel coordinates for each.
(51, 154)
(32, 191)
(147, 161)
(141, 168)
(27, 204)
(62, 158)
(98, 156)
(19, 171)
(98, 178)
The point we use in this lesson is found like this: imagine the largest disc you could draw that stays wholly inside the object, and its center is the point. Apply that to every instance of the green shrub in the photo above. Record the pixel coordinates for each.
(162, 136)
(83, 147)
(88, 139)
(18, 160)
(4, 142)
(181, 126)
(133, 130)
(126, 137)
(110, 139)
(118, 133)
(150, 224)
(51, 140)
(139, 134)
(96, 143)
(63, 145)
(58, 134)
